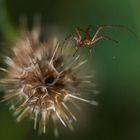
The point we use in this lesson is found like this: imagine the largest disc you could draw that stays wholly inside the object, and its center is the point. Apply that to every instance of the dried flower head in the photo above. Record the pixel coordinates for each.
(40, 80)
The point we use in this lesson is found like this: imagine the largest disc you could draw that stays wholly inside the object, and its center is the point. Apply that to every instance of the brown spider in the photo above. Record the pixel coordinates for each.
(87, 40)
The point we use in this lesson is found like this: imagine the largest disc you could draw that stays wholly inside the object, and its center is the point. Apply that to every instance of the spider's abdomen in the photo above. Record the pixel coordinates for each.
(79, 44)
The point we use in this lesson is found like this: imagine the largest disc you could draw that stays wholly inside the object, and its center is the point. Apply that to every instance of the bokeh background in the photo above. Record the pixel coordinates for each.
(117, 66)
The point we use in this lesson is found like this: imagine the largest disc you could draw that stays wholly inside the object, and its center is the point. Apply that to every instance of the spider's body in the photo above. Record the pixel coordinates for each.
(87, 41)
(82, 42)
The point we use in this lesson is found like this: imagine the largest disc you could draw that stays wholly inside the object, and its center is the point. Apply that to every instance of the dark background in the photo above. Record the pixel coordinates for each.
(117, 66)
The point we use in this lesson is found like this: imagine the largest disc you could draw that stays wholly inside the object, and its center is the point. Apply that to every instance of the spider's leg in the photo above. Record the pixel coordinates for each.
(98, 31)
(78, 33)
(68, 37)
(111, 39)
(96, 40)
(95, 37)
(90, 50)
(112, 26)
(87, 31)
(76, 50)
(81, 30)
(89, 28)
(104, 37)
(120, 26)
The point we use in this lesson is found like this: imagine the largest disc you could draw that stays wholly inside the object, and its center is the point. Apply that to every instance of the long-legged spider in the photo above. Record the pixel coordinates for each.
(87, 40)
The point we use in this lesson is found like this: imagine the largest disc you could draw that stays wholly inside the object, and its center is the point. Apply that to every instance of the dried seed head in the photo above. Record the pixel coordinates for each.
(40, 80)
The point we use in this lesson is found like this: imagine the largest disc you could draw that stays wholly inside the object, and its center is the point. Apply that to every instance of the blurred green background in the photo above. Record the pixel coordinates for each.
(117, 66)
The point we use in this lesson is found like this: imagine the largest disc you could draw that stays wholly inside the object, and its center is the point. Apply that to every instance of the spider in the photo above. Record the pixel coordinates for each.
(87, 40)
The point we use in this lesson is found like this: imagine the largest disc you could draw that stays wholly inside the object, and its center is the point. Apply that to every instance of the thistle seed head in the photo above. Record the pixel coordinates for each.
(40, 80)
